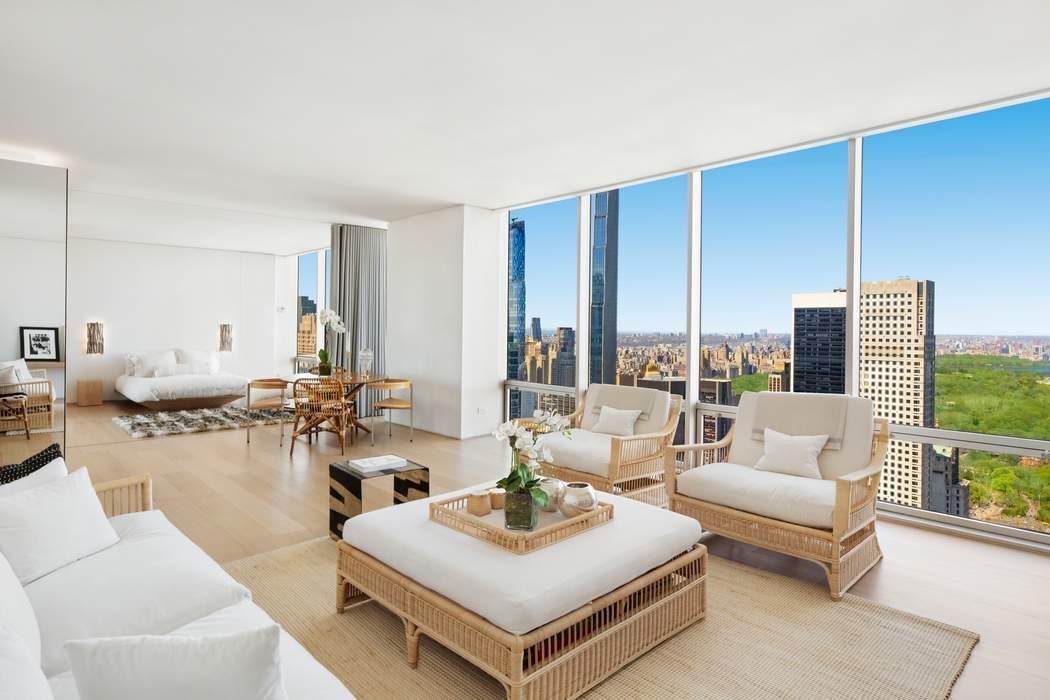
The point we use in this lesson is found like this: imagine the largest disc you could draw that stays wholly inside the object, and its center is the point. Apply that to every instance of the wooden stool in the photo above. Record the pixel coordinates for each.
(12, 406)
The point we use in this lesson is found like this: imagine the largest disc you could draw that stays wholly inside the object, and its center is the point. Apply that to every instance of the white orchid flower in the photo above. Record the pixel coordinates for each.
(338, 326)
(531, 452)
(538, 414)
(524, 441)
(533, 464)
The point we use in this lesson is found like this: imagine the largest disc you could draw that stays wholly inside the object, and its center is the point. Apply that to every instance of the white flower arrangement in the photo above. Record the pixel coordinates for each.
(523, 439)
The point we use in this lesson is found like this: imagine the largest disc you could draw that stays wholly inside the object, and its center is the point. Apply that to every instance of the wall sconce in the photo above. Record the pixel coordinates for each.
(95, 342)
(226, 337)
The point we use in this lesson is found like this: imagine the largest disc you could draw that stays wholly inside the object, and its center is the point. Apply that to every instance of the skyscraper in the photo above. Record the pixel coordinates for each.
(563, 366)
(897, 354)
(515, 307)
(716, 391)
(818, 343)
(605, 238)
(537, 332)
(942, 490)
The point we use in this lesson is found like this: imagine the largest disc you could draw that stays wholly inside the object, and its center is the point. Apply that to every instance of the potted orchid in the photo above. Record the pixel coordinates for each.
(522, 484)
(330, 321)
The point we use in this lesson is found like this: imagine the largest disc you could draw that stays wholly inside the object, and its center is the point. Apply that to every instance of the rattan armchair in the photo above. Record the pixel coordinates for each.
(846, 551)
(133, 494)
(39, 404)
(320, 405)
(635, 463)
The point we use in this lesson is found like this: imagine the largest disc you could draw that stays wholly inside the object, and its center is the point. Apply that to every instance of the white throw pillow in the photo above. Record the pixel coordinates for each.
(238, 666)
(51, 525)
(616, 421)
(176, 370)
(52, 471)
(16, 612)
(795, 455)
(20, 676)
(20, 367)
(8, 375)
(145, 363)
(206, 361)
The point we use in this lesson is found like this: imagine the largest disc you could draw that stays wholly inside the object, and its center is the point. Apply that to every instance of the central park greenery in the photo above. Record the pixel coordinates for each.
(996, 395)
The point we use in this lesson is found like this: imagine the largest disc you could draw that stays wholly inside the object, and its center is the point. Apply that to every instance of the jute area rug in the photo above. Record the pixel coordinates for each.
(196, 420)
(765, 636)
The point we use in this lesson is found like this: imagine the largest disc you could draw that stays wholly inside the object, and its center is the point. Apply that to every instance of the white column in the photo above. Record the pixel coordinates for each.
(583, 294)
(692, 323)
(853, 264)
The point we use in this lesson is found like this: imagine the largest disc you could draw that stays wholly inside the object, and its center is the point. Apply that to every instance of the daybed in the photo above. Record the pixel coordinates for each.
(172, 380)
(630, 464)
(827, 517)
(153, 581)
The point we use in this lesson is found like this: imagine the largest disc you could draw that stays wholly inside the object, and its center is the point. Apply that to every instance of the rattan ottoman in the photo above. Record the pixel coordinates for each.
(559, 659)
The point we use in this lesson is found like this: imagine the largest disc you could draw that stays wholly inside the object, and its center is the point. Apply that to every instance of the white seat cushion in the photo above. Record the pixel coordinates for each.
(152, 581)
(304, 678)
(16, 612)
(793, 499)
(20, 675)
(580, 449)
(521, 592)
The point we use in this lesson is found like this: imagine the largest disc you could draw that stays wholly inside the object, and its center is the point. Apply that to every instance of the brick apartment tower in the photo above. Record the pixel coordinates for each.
(897, 355)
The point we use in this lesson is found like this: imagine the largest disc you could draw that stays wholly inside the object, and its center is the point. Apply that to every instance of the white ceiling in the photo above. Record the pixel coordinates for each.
(338, 110)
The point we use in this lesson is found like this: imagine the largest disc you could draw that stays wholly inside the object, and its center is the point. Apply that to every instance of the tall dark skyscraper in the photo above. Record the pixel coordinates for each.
(818, 355)
(515, 307)
(563, 366)
(537, 332)
(605, 242)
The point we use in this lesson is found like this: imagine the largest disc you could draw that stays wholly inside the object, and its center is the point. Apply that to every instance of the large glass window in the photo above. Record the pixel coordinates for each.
(639, 238)
(541, 301)
(306, 306)
(773, 301)
(954, 327)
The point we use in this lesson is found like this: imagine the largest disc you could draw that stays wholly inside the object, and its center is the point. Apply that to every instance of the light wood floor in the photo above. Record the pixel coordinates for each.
(235, 499)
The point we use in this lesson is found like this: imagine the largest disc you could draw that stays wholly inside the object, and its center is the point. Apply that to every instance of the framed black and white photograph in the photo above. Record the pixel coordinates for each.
(39, 344)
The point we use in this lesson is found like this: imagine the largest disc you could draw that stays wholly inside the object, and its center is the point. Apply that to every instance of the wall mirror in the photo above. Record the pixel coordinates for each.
(32, 309)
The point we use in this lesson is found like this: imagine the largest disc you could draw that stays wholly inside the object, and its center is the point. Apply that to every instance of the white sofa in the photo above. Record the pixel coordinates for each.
(154, 581)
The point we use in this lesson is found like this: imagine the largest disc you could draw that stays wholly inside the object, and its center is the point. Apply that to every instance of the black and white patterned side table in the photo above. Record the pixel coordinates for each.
(411, 482)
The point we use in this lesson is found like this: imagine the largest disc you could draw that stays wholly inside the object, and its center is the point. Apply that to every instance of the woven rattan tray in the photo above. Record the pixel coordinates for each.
(550, 528)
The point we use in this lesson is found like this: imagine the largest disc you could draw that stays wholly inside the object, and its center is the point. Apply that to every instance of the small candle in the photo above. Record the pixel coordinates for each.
(478, 503)
(498, 498)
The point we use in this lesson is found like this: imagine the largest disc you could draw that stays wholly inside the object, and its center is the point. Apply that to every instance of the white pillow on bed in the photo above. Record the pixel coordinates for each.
(177, 370)
(143, 364)
(205, 361)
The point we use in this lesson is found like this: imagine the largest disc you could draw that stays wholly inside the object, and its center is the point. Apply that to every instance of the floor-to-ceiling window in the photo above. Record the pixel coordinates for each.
(773, 300)
(638, 294)
(541, 305)
(955, 308)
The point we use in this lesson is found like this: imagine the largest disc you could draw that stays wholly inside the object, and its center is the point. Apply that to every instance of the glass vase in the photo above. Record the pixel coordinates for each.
(520, 512)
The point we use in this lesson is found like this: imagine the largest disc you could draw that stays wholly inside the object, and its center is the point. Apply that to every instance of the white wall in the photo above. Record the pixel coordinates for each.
(286, 293)
(443, 318)
(153, 297)
(33, 289)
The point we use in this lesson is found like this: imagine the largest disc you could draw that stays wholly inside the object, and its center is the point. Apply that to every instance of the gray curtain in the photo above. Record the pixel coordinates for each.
(358, 295)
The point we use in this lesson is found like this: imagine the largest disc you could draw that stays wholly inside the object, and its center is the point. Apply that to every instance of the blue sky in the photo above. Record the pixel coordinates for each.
(963, 202)
(308, 275)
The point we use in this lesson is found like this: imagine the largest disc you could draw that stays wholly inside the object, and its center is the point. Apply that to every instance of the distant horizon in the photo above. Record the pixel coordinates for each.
(551, 331)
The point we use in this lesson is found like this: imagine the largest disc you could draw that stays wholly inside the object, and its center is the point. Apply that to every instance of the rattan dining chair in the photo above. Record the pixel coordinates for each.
(394, 403)
(320, 405)
(269, 402)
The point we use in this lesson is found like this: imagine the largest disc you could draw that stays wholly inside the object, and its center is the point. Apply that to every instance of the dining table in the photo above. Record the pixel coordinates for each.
(353, 384)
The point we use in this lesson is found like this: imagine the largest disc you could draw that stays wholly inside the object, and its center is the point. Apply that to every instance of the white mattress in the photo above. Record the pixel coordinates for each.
(522, 592)
(183, 386)
(304, 678)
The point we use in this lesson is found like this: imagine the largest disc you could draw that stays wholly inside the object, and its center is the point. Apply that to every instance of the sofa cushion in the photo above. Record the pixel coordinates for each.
(794, 499)
(855, 452)
(514, 592)
(152, 581)
(240, 665)
(580, 449)
(20, 367)
(16, 612)
(52, 525)
(304, 678)
(653, 404)
(52, 471)
(13, 472)
(20, 674)
(794, 455)
(616, 421)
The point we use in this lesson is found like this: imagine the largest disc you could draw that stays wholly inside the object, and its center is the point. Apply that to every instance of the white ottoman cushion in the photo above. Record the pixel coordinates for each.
(522, 592)
(793, 499)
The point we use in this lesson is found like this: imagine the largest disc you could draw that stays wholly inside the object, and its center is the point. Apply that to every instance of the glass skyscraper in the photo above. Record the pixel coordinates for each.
(605, 239)
(515, 307)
